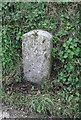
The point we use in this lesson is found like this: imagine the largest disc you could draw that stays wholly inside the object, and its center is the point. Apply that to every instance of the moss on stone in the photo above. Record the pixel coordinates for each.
(43, 41)
(35, 34)
(45, 55)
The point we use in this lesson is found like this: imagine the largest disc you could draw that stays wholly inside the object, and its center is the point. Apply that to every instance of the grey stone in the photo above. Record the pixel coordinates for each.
(37, 59)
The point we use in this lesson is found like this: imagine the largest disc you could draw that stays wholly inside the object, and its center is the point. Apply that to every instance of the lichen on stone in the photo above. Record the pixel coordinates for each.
(35, 55)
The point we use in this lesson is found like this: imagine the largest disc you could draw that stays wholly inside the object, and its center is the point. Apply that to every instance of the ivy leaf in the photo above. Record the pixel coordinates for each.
(77, 93)
(39, 109)
(71, 46)
(65, 56)
(64, 45)
(70, 39)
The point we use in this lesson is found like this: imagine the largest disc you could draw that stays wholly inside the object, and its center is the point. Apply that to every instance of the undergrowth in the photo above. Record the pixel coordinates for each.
(60, 95)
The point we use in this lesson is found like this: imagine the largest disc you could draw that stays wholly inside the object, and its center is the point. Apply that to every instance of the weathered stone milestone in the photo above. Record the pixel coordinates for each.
(36, 50)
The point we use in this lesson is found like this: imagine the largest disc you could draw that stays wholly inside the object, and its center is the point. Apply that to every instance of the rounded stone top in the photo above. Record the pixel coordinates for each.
(39, 32)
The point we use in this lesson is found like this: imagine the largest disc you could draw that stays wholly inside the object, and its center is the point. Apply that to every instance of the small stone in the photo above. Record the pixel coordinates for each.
(37, 58)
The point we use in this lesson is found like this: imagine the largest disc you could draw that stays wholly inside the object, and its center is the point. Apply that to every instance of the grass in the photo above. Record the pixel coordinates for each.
(43, 100)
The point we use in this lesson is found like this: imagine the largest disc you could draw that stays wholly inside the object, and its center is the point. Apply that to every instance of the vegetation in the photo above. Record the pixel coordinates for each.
(59, 96)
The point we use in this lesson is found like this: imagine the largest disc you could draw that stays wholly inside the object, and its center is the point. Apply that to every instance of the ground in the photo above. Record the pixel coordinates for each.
(19, 97)
(9, 112)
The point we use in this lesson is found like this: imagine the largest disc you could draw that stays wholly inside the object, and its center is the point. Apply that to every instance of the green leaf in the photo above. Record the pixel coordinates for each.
(77, 93)
(70, 39)
(39, 109)
(66, 55)
(71, 46)
(61, 53)
(60, 78)
(64, 45)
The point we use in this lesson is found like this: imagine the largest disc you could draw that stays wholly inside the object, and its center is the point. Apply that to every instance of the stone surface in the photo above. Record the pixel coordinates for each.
(37, 59)
(10, 113)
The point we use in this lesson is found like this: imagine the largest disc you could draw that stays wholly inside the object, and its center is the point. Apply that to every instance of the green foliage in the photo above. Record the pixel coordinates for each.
(19, 18)
(62, 20)
(67, 50)
(63, 103)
